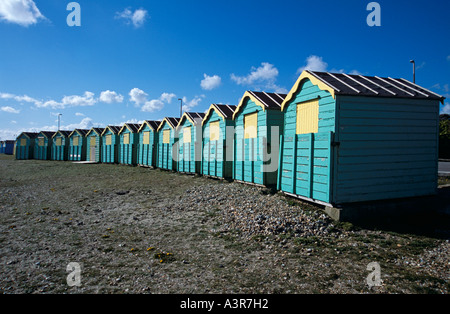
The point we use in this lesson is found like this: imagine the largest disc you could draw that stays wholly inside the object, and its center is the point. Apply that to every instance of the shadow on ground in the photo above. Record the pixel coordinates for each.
(423, 216)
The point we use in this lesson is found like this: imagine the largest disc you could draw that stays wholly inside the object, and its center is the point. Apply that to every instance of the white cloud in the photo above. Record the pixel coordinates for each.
(75, 100)
(110, 97)
(140, 98)
(22, 12)
(152, 105)
(266, 72)
(9, 109)
(314, 63)
(79, 114)
(137, 18)
(263, 77)
(188, 105)
(86, 123)
(167, 97)
(445, 109)
(210, 82)
(448, 58)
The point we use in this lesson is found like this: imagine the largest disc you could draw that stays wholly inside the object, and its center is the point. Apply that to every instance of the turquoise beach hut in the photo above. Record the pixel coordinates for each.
(60, 145)
(218, 141)
(129, 143)
(355, 138)
(43, 145)
(110, 144)
(94, 144)
(259, 122)
(147, 143)
(25, 145)
(77, 145)
(190, 142)
(167, 139)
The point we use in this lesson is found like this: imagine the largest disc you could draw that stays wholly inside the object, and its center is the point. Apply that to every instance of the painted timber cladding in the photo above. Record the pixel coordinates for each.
(94, 144)
(25, 145)
(110, 144)
(147, 143)
(129, 140)
(77, 145)
(305, 167)
(60, 145)
(388, 148)
(377, 139)
(214, 156)
(251, 154)
(43, 145)
(166, 140)
(190, 142)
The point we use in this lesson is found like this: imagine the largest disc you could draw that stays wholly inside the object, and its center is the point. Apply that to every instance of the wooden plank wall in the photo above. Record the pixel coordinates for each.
(388, 148)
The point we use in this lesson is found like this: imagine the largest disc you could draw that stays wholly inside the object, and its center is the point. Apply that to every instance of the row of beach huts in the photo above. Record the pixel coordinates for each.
(333, 139)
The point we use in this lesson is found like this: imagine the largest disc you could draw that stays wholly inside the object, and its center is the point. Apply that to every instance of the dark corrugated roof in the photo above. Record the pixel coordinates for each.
(173, 121)
(153, 124)
(99, 130)
(30, 134)
(82, 132)
(269, 100)
(359, 85)
(133, 127)
(195, 115)
(226, 110)
(63, 133)
(47, 134)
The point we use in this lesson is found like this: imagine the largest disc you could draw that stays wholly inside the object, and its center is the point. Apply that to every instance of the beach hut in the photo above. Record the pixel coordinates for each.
(218, 141)
(43, 145)
(77, 145)
(25, 145)
(110, 144)
(167, 139)
(147, 143)
(128, 142)
(258, 121)
(60, 145)
(94, 144)
(190, 142)
(355, 138)
(8, 147)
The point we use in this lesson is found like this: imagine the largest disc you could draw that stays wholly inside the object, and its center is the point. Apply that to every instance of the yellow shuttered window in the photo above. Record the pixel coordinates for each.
(146, 138)
(93, 140)
(75, 141)
(108, 139)
(41, 141)
(166, 136)
(58, 141)
(214, 131)
(308, 117)
(23, 142)
(187, 135)
(126, 138)
(251, 125)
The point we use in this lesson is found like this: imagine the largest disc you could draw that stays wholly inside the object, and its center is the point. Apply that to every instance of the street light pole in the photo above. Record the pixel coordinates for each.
(181, 107)
(414, 70)
(59, 115)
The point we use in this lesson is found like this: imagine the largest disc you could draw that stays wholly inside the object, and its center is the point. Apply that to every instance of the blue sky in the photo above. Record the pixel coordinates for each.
(132, 60)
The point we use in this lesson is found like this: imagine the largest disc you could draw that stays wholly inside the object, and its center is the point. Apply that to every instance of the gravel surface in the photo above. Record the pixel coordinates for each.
(139, 230)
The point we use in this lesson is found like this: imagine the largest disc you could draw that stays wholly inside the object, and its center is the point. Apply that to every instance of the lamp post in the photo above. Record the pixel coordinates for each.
(414, 70)
(181, 107)
(59, 115)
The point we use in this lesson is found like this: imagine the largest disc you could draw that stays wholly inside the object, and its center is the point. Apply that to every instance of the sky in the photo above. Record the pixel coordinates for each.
(111, 62)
